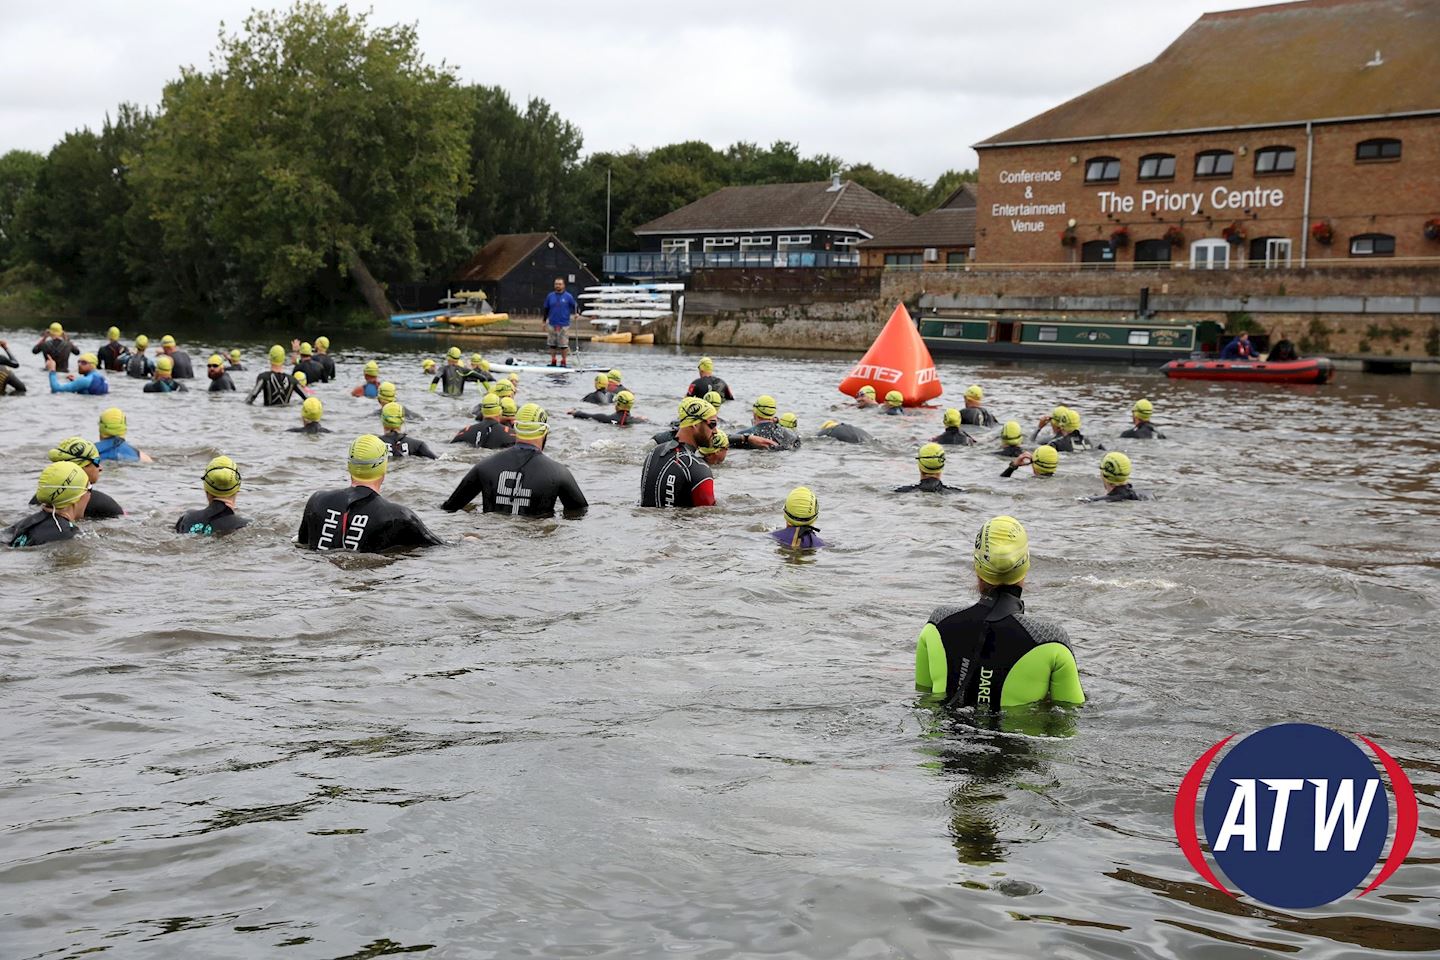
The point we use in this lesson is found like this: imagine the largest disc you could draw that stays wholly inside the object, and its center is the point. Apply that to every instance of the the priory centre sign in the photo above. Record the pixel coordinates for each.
(1025, 216)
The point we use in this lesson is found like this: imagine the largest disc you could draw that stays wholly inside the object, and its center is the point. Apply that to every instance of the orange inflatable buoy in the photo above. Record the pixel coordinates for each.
(897, 360)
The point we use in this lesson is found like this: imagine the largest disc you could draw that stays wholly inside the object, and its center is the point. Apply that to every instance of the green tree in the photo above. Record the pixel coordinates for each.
(946, 184)
(905, 192)
(19, 169)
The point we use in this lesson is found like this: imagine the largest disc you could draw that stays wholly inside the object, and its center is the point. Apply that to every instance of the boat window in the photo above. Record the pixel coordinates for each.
(1382, 149)
(1139, 338)
(1372, 245)
(952, 330)
(1214, 163)
(1102, 170)
(1048, 334)
(1275, 160)
(1157, 166)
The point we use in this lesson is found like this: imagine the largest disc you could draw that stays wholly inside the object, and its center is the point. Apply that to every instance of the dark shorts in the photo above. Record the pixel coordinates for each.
(557, 338)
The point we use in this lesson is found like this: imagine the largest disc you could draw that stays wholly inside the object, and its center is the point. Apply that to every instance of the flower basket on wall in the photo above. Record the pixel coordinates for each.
(1175, 237)
(1432, 228)
(1119, 238)
(1234, 234)
(1321, 232)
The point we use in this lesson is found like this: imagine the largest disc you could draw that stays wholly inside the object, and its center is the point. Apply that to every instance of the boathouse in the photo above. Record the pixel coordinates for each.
(517, 270)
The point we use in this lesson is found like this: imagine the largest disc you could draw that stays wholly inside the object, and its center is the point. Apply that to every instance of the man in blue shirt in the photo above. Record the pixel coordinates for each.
(560, 305)
(1239, 349)
(90, 379)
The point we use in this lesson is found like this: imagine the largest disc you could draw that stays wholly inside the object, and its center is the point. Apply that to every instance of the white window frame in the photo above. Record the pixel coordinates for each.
(1047, 335)
(1209, 261)
(845, 242)
(1139, 338)
(1273, 246)
(719, 243)
(792, 240)
(755, 241)
(671, 245)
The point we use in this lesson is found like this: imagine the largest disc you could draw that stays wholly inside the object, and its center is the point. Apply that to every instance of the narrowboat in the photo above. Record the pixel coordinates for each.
(1134, 341)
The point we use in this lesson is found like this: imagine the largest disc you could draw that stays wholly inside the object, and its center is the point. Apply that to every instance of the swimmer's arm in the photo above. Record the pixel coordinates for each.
(255, 390)
(1065, 677)
(571, 498)
(425, 451)
(703, 493)
(468, 488)
(931, 670)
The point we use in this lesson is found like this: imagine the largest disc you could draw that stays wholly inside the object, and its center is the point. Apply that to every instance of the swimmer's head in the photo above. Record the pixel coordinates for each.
(89, 360)
(475, 359)
(1072, 420)
(765, 407)
(1011, 435)
(505, 388)
(235, 356)
(392, 415)
(312, 410)
(490, 406)
(613, 377)
(789, 421)
(829, 423)
(894, 399)
(216, 361)
(112, 334)
(951, 418)
(112, 423)
(1002, 551)
(167, 341)
(931, 458)
(508, 408)
(141, 342)
(221, 478)
(707, 366)
(164, 364)
(277, 355)
(385, 392)
(453, 353)
(713, 398)
(1142, 410)
(367, 458)
(531, 422)
(973, 392)
(600, 381)
(1115, 468)
(866, 392)
(61, 484)
(428, 365)
(802, 508)
(322, 343)
(718, 442)
(56, 330)
(624, 400)
(75, 450)
(300, 378)
(372, 369)
(306, 350)
(1044, 461)
(485, 366)
(695, 411)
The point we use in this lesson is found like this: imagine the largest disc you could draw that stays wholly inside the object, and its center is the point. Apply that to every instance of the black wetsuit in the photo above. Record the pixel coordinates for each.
(313, 369)
(976, 417)
(278, 387)
(313, 428)
(784, 437)
(327, 367)
(1009, 453)
(1122, 492)
(487, 434)
(37, 529)
(600, 396)
(675, 475)
(928, 485)
(1070, 443)
(113, 355)
(1010, 471)
(216, 517)
(668, 434)
(60, 350)
(182, 369)
(139, 367)
(451, 380)
(410, 415)
(235, 367)
(845, 433)
(165, 386)
(102, 506)
(1145, 431)
(703, 385)
(359, 519)
(521, 481)
(8, 380)
(402, 445)
(889, 411)
(954, 435)
(478, 376)
(222, 383)
(621, 418)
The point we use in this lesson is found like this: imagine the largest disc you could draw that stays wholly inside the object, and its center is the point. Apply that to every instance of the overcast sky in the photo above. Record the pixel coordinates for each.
(907, 88)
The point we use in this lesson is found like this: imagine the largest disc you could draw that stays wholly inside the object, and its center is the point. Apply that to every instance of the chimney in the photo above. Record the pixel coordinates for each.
(835, 183)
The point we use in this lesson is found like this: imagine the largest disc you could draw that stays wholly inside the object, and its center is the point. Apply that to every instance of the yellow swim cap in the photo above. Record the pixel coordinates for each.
(706, 365)
(164, 364)
(306, 350)
(693, 410)
(532, 422)
(1011, 434)
(112, 423)
(802, 508)
(367, 457)
(300, 378)
(951, 418)
(513, 377)
(600, 381)
(894, 399)
(789, 420)
(386, 391)
(428, 365)
(829, 423)
(75, 450)
(89, 358)
(1057, 417)
(113, 333)
(721, 442)
(1002, 551)
(1045, 460)
(1115, 468)
(713, 398)
(624, 400)
(61, 484)
(312, 410)
(221, 477)
(322, 343)
(142, 341)
(453, 353)
(865, 391)
(372, 369)
(475, 359)
(235, 354)
(215, 360)
(167, 341)
(490, 405)
(277, 354)
(392, 415)
(613, 376)
(56, 330)
(765, 406)
(1142, 409)
(504, 388)
(1072, 420)
(931, 458)
(507, 407)
(973, 392)
(485, 365)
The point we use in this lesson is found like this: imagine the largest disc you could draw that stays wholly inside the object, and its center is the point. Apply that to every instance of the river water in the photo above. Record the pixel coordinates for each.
(647, 733)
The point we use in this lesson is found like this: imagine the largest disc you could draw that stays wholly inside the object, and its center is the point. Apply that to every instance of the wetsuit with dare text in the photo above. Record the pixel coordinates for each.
(209, 520)
(39, 528)
(278, 389)
(522, 482)
(487, 435)
(675, 475)
(990, 655)
(360, 520)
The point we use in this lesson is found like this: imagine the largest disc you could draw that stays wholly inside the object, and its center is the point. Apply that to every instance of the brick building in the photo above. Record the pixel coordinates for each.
(1277, 136)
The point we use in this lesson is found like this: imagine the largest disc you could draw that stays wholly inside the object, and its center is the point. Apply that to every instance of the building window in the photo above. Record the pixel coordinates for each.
(754, 241)
(845, 243)
(1270, 252)
(1157, 166)
(715, 243)
(1048, 334)
(903, 260)
(1152, 252)
(793, 240)
(1275, 160)
(954, 257)
(1372, 245)
(1097, 254)
(1139, 338)
(1214, 163)
(1383, 149)
(675, 246)
(1102, 170)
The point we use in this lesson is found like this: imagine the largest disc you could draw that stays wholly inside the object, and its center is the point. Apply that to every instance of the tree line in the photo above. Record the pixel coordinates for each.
(317, 159)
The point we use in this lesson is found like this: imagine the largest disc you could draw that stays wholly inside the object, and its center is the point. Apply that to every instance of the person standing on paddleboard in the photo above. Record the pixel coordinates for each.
(560, 306)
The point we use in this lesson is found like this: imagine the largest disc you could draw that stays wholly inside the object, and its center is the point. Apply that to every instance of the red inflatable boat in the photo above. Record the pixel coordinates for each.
(1313, 370)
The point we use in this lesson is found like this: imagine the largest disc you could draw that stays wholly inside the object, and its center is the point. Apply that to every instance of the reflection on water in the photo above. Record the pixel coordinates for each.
(647, 734)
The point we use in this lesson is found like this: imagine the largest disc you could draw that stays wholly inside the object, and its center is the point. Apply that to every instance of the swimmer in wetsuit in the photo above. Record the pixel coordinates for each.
(714, 451)
(311, 411)
(220, 381)
(451, 378)
(952, 434)
(1115, 472)
(57, 347)
(89, 380)
(765, 432)
(990, 655)
(521, 481)
(802, 510)
(931, 460)
(843, 432)
(165, 381)
(865, 397)
(221, 481)
(235, 366)
(674, 474)
(401, 444)
(8, 364)
(139, 366)
(357, 518)
(1142, 428)
(180, 366)
(790, 421)
(621, 416)
(427, 367)
(86, 456)
(479, 371)
(1044, 461)
(600, 395)
(894, 404)
(371, 384)
(322, 357)
(62, 493)
(707, 382)
(975, 415)
(278, 386)
(1011, 436)
(491, 433)
(113, 354)
(1064, 424)
(113, 445)
(302, 357)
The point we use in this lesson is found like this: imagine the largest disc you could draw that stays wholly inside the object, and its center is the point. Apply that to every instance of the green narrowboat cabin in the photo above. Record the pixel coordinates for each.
(1018, 337)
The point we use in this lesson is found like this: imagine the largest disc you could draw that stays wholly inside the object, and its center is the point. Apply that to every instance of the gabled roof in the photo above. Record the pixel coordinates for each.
(503, 254)
(941, 227)
(964, 196)
(783, 206)
(1282, 64)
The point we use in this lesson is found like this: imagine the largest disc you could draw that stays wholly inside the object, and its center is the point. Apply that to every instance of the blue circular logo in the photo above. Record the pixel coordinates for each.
(1296, 815)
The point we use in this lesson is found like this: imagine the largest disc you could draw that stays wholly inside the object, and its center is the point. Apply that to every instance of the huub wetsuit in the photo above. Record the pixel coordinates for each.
(601, 396)
(217, 517)
(977, 417)
(798, 538)
(222, 383)
(278, 387)
(928, 485)
(675, 475)
(140, 367)
(313, 428)
(113, 355)
(784, 437)
(451, 380)
(1120, 493)
(990, 655)
(954, 435)
(401, 445)
(165, 386)
(703, 385)
(313, 369)
(39, 528)
(182, 369)
(845, 433)
(522, 482)
(59, 350)
(93, 383)
(360, 520)
(487, 434)
(102, 506)
(621, 418)
(1143, 432)
(116, 448)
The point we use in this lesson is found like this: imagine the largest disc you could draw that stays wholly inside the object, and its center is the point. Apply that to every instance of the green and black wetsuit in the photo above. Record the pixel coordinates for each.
(452, 380)
(990, 655)
(216, 517)
(38, 528)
